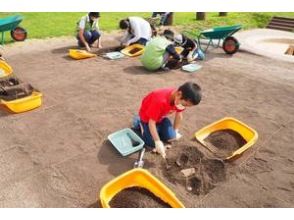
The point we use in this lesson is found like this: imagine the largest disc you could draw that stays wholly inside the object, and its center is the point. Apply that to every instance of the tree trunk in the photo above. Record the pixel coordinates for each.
(223, 14)
(200, 16)
(170, 19)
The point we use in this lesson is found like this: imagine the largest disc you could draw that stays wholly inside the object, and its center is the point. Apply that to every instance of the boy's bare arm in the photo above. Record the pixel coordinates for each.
(153, 130)
(178, 120)
(81, 35)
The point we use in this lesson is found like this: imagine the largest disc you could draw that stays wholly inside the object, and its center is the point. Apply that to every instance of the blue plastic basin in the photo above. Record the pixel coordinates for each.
(122, 141)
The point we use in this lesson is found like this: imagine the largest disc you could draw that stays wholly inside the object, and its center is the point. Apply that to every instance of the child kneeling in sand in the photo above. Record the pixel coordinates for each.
(156, 128)
(160, 53)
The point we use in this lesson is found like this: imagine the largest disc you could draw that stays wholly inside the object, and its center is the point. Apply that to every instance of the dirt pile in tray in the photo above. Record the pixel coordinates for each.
(225, 141)
(137, 197)
(12, 88)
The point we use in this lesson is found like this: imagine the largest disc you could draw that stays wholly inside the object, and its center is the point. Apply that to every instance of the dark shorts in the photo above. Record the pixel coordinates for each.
(90, 37)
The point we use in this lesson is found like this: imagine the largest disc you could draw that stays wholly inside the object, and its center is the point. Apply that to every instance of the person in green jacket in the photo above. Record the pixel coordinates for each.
(88, 31)
(160, 53)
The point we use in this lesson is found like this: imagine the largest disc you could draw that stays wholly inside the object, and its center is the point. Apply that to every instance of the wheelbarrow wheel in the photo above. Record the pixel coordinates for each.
(231, 45)
(18, 34)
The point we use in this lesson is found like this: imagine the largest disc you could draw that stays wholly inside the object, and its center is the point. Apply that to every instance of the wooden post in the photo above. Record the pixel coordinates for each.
(200, 16)
(223, 14)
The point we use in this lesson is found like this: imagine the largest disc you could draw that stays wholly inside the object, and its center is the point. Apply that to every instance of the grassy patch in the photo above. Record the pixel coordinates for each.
(55, 24)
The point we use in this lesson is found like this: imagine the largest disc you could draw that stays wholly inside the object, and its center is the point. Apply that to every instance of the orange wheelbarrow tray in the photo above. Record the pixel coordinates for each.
(249, 134)
(133, 50)
(24, 104)
(138, 177)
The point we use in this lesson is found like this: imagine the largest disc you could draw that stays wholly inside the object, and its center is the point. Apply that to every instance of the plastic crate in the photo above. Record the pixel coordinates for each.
(126, 141)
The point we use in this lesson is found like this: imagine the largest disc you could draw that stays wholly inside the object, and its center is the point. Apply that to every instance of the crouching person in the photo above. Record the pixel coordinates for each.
(88, 31)
(156, 128)
(160, 53)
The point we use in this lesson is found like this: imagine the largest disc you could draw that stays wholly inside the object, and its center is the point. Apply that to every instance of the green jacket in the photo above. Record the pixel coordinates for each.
(84, 23)
(152, 58)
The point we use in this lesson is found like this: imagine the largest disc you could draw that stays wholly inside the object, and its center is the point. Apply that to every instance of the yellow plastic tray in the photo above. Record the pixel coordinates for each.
(138, 178)
(249, 134)
(80, 54)
(24, 104)
(5, 68)
(127, 50)
(179, 49)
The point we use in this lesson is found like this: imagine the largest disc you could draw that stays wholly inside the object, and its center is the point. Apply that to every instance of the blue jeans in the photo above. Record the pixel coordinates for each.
(165, 131)
(90, 37)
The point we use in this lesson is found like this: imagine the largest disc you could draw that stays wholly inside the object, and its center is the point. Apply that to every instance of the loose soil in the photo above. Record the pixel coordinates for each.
(137, 197)
(12, 88)
(208, 171)
(226, 140)
(135, 50)
(86, 100)
(109, 49)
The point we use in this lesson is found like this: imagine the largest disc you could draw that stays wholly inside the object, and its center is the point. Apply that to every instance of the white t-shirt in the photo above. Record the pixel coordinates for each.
(140, 29)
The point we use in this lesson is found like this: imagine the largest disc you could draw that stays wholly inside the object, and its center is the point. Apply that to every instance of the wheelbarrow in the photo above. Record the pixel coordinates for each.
(11, 24)
(230, 44)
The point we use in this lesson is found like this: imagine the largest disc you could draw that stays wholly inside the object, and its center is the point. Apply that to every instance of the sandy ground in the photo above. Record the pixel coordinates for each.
(59, 156)
(267, 42)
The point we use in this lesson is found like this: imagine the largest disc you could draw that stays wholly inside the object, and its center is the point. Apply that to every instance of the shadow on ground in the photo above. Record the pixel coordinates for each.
(118, 164)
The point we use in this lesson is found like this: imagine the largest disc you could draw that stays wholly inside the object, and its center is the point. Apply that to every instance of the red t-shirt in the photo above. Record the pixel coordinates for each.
(156, 105)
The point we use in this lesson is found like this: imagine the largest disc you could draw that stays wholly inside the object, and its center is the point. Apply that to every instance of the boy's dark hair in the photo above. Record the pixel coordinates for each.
(94, 14)
(191, 92)
(123, 24)
(169, 34)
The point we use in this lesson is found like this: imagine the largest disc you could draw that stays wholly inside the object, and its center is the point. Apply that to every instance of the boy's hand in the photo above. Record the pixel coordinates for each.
(160, 148)
(178, 135)
(88, 47)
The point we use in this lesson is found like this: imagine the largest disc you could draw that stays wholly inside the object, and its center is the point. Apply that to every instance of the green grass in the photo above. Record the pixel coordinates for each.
(42, 25)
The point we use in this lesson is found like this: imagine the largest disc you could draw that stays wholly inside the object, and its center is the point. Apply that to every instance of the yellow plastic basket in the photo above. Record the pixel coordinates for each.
(128, 50)
(249, 134)
(5, 69)
(24, 104)
(179, 49)
(138, 178)
(80, 54)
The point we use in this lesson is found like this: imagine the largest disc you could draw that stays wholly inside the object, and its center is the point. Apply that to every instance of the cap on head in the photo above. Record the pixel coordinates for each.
(179, 38)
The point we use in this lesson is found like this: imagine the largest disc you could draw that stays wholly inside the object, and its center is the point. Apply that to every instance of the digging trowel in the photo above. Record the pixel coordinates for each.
(140, 162)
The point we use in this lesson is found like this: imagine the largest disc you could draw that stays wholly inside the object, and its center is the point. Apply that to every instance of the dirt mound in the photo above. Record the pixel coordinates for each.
(137, 197)
(12, 88)
(197, 173)
(226, 140)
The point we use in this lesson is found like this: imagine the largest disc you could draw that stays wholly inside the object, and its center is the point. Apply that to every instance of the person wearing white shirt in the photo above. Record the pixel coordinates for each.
(137, 30)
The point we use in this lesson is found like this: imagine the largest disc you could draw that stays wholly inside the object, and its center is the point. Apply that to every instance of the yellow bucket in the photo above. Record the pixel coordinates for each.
(138, 48)
(138, 178)
(249, 134)
(24, 104)
(80, 54)
(5, 69)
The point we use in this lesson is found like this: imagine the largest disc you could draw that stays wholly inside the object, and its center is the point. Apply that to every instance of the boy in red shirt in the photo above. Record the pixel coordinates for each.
(155, 126)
